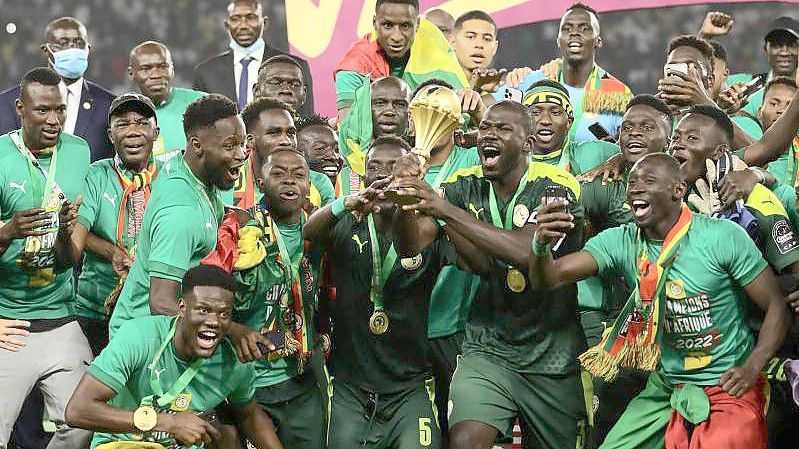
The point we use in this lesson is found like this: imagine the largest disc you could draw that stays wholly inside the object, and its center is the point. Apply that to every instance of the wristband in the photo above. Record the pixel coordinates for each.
(337, 207)
(539, 249)
(759, 172)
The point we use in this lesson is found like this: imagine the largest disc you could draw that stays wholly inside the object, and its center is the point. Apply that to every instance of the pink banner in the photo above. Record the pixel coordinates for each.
(321, 31)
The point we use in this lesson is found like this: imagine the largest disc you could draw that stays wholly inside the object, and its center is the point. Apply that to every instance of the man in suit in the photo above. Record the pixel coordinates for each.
(234, 72)
(67, 50)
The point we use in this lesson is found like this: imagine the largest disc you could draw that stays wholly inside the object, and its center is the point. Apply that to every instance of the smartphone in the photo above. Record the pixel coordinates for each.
(277, 337)
(599, 131)
(211, 417)
(754, 85)
(681, 67)
(554, 193)
(514, 94)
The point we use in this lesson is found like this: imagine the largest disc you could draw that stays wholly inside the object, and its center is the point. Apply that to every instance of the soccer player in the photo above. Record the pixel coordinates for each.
(161, 377)
(685, 320)
(474, 39)
(603, 97)
(280, 79)
(384, 272)
(317, 141)
(151, 70)
(379, 108)
(776, 96)
(41, 171)
(271, 127)
(519, 352)
(181, 221)
(553, 117)
(277, 294)
(115, 197)
(402, 39)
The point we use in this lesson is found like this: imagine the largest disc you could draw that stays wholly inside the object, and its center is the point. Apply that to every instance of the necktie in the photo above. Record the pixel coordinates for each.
(244, 82)
(70, 118)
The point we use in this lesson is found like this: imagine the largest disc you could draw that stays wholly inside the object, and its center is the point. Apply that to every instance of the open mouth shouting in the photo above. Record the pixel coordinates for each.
(490, 155)
(641, 208)
(636, 147)
(544, 135)
(575, 47)
(232, 173)
(207, 340)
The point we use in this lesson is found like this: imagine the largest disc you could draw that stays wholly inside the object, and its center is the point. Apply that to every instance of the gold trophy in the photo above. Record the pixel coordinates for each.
(436, 113)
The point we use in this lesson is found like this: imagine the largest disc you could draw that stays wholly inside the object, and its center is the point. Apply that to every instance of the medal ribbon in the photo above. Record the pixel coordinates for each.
(135, 196)
(634, 339)
(159, 398)
(496, 217)
(292, 267)
(380, 273)
(51, 186)
(564, 161)
(594, 82)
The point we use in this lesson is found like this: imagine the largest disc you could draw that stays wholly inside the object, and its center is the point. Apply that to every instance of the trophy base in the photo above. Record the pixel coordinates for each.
(392, 194)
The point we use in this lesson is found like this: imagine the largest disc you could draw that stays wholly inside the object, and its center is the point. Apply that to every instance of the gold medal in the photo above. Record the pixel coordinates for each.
(378, 322)
(516, 281)
(145, 418)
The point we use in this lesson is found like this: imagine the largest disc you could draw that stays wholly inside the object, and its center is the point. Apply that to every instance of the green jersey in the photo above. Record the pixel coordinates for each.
(260, 289)
(749, 126)
(455, 288)
(123, 366)
(171, 138)
(397, 359)
(787, 196)
(605, 207)
(528, 331)
(99, 213)
(579, 158)
(179, 229)
(44, 293)
(784, 167)
(705, 330)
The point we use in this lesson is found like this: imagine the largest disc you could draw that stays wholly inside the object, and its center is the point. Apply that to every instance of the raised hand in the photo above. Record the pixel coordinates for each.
(716, 24)
(486, 79)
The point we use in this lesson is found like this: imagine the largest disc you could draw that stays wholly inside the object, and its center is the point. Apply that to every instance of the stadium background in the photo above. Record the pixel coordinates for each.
(321, 30)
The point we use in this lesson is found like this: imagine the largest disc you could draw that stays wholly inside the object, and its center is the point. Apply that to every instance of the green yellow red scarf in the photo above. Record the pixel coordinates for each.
(634, 339)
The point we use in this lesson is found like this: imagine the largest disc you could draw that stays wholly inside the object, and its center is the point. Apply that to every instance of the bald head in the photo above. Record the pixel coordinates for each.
(390, 100)
(661, 163)
(151, 70)
(63, 23)
(442, 19)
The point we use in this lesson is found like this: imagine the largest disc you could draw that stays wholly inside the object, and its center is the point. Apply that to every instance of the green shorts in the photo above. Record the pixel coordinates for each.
(552, 408)
(297, 410)
(401, 420)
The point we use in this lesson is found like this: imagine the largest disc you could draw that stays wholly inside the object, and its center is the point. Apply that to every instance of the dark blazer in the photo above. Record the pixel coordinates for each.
(91, 125)
(215, 75)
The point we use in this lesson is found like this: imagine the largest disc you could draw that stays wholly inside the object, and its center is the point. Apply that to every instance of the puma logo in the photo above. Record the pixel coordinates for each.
(158, 373)
(210, 223)
(20, 187)
(357, 240)
(475, 211)
(112, 200)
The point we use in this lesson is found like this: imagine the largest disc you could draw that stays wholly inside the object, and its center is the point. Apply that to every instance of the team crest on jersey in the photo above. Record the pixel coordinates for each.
(675, 289)
(520, 215)
(783, 237)
(181, 402)
(411, 263)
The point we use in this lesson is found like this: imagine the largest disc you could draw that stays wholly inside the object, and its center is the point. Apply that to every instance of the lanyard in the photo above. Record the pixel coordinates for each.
(158, 397)
(379, 274)
(594, 82)
(292, 264)
(496, 218)
(215, 212)
(51, 186)
(442, 174)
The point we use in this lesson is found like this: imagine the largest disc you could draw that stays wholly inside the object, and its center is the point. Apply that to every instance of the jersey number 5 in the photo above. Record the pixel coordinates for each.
(425, 432)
